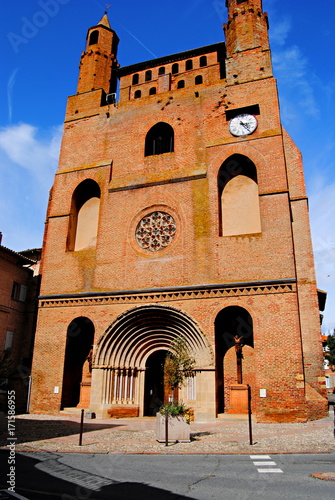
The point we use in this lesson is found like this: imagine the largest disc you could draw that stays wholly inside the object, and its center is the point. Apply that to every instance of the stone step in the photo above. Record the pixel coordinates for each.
(72, 411)
(231, 416)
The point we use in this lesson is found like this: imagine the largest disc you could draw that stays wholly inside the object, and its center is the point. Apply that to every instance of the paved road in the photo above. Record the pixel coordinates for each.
(171, 477)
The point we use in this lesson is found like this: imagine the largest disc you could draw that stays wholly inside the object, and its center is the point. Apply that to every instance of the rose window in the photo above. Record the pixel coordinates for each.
(155, 231)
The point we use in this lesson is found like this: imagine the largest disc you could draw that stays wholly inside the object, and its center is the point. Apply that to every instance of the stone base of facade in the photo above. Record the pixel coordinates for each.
(123, 411)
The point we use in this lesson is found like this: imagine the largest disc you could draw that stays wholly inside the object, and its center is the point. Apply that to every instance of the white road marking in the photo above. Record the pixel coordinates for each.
(265, 460)
(264, 471)
(265, 463)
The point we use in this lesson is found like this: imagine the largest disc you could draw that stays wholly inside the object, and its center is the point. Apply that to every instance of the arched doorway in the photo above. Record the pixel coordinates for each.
(154, 395)
(129, 356)
(231, 321)
(79, 341)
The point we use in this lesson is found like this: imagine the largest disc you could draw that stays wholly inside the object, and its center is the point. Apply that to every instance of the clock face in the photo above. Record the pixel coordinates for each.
(242, 125)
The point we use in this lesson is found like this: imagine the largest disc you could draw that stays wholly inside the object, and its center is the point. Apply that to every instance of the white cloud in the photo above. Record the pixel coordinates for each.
(27, 166)
(297, 92)
(279, 31)
(22, 146)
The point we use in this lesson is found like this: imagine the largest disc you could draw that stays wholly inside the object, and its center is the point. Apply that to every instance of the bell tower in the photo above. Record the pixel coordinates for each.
(98, 61)
(247, 42)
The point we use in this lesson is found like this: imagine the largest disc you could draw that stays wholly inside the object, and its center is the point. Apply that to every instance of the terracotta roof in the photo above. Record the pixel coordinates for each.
(21, 258)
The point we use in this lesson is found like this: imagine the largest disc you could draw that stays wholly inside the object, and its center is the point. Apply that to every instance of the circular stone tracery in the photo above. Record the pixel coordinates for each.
(155, 231)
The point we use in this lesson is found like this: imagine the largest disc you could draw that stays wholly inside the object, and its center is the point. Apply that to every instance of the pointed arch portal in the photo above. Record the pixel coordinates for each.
(231, 321)
(136, 343)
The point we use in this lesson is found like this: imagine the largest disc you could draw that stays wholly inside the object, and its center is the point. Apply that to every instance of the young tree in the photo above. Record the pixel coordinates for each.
(178, 364)
(330, 353)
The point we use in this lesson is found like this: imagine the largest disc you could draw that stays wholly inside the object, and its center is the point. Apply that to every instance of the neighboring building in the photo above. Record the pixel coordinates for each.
(329, 370)
(179, 209)
(19, 288)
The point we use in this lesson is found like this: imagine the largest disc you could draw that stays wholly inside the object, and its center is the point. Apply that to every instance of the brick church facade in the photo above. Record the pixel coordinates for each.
(179, 210)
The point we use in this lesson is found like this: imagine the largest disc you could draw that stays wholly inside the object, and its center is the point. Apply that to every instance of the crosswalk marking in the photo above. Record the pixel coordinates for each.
(265, 463)
(265, 460)
(264, 471)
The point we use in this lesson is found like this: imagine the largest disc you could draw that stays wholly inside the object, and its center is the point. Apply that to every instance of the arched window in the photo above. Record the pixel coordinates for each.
(181, 84)
(159, 139)
(238, 197)
(198, 79)
(161, 70)
(84, 216)
(175, 68)
(189, 64)
(203, 61)
(137, 94)
(148, 75)
(94, 37)
(153, 91)
(136, 79)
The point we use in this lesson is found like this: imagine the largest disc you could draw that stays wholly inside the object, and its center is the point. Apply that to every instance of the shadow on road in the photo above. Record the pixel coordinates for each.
(35, 484)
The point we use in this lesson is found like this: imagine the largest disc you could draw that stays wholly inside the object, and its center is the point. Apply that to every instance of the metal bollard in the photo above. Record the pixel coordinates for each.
(166, 429)
(249, 414)
(81, 428)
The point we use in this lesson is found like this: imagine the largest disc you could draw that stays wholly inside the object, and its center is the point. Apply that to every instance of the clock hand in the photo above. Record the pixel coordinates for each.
(245, 125)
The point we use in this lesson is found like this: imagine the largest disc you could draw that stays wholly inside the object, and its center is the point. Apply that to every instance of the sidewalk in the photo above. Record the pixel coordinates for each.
(137, 436)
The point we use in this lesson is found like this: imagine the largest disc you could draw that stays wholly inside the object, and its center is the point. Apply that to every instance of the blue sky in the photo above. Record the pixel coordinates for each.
(41, 44)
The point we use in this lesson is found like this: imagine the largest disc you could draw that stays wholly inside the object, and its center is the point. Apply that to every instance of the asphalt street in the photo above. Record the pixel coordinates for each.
(170, 477)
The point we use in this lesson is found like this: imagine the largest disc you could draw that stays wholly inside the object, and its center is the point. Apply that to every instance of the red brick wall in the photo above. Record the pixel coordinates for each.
(106, 144)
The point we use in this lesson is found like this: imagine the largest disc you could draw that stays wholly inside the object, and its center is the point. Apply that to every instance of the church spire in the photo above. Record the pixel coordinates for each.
(104, 21)
(247, 37)
(98, 61)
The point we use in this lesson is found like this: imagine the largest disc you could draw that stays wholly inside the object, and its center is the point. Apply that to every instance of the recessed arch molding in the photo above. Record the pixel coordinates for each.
(140, 331)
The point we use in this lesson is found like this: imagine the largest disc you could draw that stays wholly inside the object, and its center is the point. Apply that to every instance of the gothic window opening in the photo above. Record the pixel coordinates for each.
(137, 94)
(181, 84)
(159, 139)
(198, 80)
(161, 70)
(94, 37)
(84, 216)
(203, 61)
(148, 75)
(153, 91)
(175, 68)
(189, 64)
(136, 79)
(239, 211)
